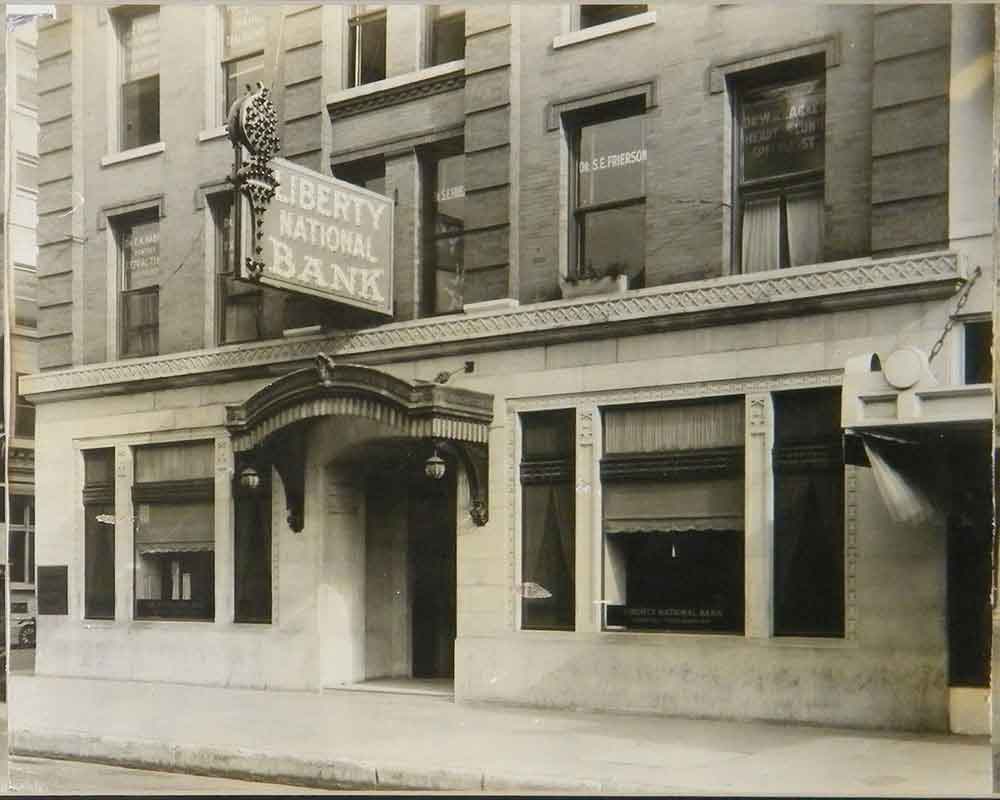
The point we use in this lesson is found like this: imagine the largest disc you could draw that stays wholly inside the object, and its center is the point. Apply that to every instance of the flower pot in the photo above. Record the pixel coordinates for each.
(582, 287)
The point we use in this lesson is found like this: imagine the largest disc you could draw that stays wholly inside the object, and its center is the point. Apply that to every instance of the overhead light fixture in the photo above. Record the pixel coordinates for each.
(250, 479)
(434, 467)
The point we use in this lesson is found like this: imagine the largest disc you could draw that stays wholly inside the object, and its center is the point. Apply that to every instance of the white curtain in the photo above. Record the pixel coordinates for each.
(658, 428)
(805, 229)
(761, 231)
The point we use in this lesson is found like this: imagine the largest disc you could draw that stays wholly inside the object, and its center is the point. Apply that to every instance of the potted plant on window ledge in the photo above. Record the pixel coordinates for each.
(587, 282)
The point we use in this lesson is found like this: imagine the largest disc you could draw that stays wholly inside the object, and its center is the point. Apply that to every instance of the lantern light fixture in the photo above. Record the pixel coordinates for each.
(434, 467)
(250, 479)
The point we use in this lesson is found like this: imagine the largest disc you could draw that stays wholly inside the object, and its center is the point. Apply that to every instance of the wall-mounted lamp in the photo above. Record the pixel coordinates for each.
(434, 467)
(250, 479)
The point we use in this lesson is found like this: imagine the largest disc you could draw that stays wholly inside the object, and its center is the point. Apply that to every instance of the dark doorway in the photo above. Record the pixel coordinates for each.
(969, 560)
(432, 575)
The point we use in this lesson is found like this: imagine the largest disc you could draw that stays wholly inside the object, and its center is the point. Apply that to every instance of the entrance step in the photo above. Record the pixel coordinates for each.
(969, 710)
(429, 687)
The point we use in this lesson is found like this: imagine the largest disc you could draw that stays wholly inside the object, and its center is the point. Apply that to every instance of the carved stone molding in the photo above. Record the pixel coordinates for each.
(850, 552)
(439, 84)
(718, 301)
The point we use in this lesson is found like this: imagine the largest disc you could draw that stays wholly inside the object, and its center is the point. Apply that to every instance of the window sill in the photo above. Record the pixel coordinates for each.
(212, 134)
(133, 154)
(607, 29)
(376, 87)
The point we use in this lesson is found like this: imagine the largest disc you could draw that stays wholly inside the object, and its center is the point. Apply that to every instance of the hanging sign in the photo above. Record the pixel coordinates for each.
(328, 238)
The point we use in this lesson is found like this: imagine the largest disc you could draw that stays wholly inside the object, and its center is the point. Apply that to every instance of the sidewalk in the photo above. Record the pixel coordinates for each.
(362, 740)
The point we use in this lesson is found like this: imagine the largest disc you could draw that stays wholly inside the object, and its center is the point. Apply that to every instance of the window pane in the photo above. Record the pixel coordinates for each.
(26, 299)
(242, 312)
(761, 226)
(175, 585)
(140, 37)
(368, 173)
(175, 461)
(808, 514)
(804, 227)
(239, 74)
(782, 130)
(140, 322)
(448, 39)
(99, 467)
(24, 419)
(139, 240)
(613, 241)
(367, 50)
(99, 561)
(141, 112)
(978, 358)
(253, 556)
(612, 161)
(17, 556)
(548, 557)
(243, 30)
(444, 253)
(669, 427)
(591, 15)
(685, 581)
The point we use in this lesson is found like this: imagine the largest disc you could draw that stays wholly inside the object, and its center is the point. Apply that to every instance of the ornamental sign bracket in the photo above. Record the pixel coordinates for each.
(300, 230)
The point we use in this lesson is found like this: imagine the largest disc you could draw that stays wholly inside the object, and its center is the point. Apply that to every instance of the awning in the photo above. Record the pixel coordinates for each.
(167, 548)
(899, 484)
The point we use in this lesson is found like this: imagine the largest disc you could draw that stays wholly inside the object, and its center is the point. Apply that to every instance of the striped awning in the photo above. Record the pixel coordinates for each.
(419, 410)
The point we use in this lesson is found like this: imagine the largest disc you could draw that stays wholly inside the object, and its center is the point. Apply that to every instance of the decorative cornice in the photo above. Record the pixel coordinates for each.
(716, 301)
(391, 96)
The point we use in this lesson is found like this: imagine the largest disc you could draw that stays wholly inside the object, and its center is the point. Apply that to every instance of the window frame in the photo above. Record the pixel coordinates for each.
(785, 73)
(98, 498)
(220, 205)
(357, 17)
(25, 527)
(574, 121)
(118, 17)
(578, 14)
(221, 65)
(118, 225)
(434, 18)
(428, 158)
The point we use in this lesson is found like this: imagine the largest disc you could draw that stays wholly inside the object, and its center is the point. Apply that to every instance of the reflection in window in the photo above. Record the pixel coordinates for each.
(174, 505)
(609, 208)
(99, 533)
(139, 35)
(447, 34)
(598, 14)
(243, 34)
(138, 237)
(444, 251)
(366, 49)
(808, 514)
(548, 520)
(673, 495)
(781, 149)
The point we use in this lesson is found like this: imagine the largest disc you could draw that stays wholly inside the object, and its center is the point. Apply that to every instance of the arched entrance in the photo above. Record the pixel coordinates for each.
(351, 447)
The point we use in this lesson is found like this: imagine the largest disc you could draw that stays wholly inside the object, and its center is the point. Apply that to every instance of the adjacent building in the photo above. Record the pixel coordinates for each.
(683, 404)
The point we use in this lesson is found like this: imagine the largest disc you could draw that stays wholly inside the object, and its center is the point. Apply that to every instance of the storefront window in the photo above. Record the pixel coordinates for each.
(548, 545)
(174, 507)
(99, 533)
(609, 202)
(243, 33)
(808, 514)
(138, 238)
(444, 251)
(673, 495)
(781, 151)
(21, 539)
(598, 13)
(447, 34)
(366, 49)
(139, 34)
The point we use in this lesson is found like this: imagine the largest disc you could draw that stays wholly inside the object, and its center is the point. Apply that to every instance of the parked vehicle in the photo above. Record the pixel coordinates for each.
(26, 632)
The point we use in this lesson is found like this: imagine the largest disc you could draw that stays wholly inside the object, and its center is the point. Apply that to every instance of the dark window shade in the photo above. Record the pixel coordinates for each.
(17, 556)
(548, 555)
(598, 14)
(369, 173)
(140, 112)
(808, 514)
(99, 534)
(447, 38)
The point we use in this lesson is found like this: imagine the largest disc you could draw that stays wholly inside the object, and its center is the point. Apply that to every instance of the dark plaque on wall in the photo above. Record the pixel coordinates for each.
(53, 590)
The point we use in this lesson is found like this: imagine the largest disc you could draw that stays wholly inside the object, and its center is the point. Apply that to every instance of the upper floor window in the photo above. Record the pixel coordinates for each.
(978, 347)
(174, 506)
(447, 34)
(138, 29)
(243, 33)
(780, 151)
(238, 302)
(444, 228)
(598, 14)
(366, 48)
(138, 239)
(608, 192)
(369, 173)
(24, 417)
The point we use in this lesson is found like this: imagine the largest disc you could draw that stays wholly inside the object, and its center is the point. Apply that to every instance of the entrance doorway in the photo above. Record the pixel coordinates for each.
(432, 533)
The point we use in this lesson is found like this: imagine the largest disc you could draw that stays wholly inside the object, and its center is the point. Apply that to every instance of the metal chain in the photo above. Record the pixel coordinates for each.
(963, 298)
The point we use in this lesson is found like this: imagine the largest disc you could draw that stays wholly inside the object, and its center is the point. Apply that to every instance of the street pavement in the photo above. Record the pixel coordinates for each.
(365, 740)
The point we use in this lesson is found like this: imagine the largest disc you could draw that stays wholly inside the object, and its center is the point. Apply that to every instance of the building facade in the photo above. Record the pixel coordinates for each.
(701, 344)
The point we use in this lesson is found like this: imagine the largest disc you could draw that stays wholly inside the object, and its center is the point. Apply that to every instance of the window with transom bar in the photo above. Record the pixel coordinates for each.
(366, 48)
(447, 34)
(138, 241)
(244, 29)
(138, 29)
(780, 142)
(444, 227)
